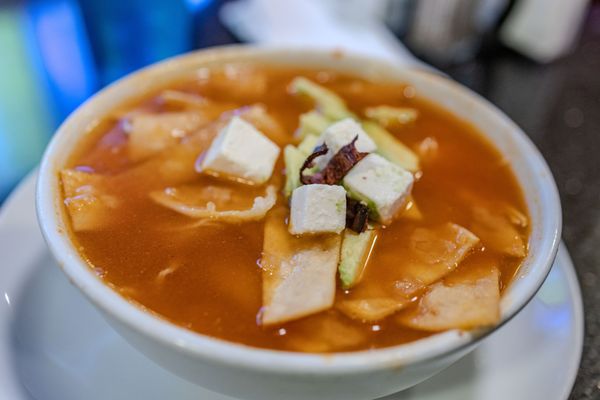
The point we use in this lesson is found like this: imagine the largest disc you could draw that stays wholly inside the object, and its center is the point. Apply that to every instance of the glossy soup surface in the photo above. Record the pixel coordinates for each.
(207, 278)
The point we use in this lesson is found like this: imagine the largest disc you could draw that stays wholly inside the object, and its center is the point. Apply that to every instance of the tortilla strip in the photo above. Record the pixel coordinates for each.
(299, 273)
(437, 251)
(467, 303)
(87, 199)
(434, 253)
(498, 232)
(174, 165)
(498, 224)
(151, 133)
(325, 333)
(373, 309)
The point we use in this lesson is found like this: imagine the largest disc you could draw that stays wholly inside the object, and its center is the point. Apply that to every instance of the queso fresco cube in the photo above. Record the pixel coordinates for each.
(340, 134)
(381, 184)
(317, 209)
(241, 152)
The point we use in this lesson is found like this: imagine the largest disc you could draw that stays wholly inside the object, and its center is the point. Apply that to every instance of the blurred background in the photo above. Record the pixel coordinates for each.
(538, 60)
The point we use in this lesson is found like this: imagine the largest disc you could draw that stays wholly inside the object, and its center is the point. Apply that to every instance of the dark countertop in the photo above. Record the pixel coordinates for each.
(558, 106)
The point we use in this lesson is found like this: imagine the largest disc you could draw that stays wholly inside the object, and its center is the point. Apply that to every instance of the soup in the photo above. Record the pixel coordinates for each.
(299, 210)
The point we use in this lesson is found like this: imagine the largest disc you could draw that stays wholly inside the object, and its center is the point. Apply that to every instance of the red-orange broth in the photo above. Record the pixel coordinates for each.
(213, 280)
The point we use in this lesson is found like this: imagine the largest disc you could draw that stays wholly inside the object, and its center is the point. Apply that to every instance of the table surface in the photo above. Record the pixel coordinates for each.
(558, 106)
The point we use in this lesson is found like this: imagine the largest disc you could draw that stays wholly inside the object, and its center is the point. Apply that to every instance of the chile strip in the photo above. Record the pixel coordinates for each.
(336, 168)
(357, 215)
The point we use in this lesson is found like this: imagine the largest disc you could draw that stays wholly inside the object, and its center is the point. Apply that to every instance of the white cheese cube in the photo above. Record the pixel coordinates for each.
(340, 134)
(381, 184)
(318, 209)
(241, 152)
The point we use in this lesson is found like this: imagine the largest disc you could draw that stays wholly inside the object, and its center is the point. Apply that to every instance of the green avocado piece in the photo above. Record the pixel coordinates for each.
(293, 159)
(331, 108)
(327, 102)
(390, 147)
(307, 146)
(356, 248)
(312, 123)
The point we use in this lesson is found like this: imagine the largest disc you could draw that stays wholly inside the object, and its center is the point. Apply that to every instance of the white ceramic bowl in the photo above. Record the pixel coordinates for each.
(254, 373)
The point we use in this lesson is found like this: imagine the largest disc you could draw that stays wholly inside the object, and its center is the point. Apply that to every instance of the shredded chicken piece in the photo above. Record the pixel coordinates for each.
(206, 223)
(428, 149)
(164, 273)
(259, 208)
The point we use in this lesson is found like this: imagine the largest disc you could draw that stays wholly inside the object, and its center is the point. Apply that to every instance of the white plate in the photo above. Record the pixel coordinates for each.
(55, 345)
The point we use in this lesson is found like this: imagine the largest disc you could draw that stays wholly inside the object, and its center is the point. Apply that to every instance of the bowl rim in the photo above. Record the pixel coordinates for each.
(51, 220)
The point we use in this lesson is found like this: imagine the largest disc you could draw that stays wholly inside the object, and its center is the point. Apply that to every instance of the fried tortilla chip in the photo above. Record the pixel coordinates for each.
(328, 333)
(299, 273)
(471, 302)
(87, 200)
(371, 310)
(498, 232)
(216, 203)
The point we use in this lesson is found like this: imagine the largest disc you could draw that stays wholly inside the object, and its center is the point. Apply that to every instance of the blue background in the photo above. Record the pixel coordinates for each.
(54, 54)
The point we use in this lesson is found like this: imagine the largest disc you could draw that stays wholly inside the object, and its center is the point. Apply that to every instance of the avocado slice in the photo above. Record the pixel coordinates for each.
(331, 108)
(390, 147)
(307, 146)
(293, 159)
(356, 248)
(312, 123)
(327, 102)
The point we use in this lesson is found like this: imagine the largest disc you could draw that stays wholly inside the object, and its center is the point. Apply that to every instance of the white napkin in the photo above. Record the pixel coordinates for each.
(559, 27)
(326, 24)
